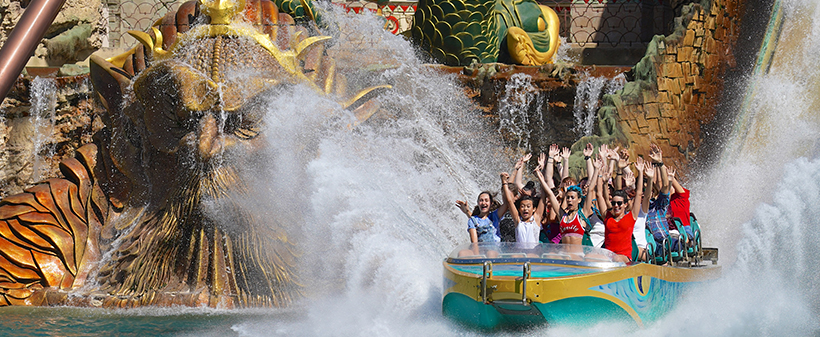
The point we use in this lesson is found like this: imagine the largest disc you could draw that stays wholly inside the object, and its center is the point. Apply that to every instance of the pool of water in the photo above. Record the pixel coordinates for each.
(65, 321)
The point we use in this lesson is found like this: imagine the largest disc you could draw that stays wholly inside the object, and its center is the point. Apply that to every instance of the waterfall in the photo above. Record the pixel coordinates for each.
(43, 104)
(588, 96)
(521, 109)
(380, 211)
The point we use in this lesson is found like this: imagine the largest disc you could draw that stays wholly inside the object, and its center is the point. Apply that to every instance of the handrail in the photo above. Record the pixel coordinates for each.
(24, 39)
(526, 277)
(486, 273)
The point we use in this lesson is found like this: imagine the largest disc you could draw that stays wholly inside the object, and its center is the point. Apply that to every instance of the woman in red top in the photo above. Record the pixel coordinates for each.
(620, 221)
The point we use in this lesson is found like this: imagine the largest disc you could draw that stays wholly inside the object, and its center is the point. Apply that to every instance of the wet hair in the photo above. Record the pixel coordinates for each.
(526, 197)
(621, 193)
(493, 204)
(579, 191)
(529, 186)
(583, 182)
(576, 189)
(568, 181)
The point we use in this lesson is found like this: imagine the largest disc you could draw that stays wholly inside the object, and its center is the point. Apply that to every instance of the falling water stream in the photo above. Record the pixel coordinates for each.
(43, 103)
(378, 215)
(588, 96)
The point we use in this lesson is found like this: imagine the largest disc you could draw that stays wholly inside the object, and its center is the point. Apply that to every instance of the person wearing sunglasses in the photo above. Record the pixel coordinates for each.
(620, 218)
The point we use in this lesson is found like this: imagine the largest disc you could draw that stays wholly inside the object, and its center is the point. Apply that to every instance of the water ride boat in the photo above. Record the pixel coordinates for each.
(498, 285)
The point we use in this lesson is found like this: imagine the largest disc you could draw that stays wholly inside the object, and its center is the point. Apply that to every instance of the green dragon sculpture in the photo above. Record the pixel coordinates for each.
(456, 32)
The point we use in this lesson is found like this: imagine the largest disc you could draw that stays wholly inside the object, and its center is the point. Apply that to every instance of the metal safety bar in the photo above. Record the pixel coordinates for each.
(524, 282)
(486, 273)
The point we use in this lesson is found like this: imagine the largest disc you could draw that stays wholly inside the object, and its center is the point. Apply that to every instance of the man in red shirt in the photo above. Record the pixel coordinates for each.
(679, 205)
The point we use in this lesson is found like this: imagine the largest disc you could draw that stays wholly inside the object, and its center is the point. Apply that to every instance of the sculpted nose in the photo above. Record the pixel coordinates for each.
(209, 141)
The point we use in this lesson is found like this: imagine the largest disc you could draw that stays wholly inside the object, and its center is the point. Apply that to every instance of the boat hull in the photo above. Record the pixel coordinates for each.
(563, 292)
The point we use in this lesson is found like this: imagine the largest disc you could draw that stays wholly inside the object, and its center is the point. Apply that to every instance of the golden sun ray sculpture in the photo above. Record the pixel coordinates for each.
(126, 225)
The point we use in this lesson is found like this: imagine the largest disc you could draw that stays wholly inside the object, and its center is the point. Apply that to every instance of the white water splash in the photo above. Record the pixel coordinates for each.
(43, 104)
(588, 96)
(521, 109)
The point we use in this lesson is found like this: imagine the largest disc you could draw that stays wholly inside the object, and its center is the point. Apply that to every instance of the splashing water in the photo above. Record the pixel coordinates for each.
(43, 103)
(521, 109)
(376, 214)
(588, 99)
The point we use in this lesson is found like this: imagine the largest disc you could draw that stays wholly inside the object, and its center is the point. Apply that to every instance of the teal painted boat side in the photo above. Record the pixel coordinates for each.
(650, 304)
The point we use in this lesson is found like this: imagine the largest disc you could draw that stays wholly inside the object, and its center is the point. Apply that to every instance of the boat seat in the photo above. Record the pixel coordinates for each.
(696, 232)
(683, 250)
(652, 248)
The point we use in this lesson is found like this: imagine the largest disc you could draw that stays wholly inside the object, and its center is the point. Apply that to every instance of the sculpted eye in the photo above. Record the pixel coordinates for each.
(246, 122)
(246, 133)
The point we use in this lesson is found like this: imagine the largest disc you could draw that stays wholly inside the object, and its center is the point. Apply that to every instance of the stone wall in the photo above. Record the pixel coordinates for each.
(79, 29)
(675, 88)
(32, 142)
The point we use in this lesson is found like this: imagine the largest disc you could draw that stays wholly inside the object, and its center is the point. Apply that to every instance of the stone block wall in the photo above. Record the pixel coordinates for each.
(79, 29)
(676, 86)
(32, 143)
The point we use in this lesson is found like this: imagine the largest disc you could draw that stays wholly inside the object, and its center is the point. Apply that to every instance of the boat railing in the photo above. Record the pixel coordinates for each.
(510, 252)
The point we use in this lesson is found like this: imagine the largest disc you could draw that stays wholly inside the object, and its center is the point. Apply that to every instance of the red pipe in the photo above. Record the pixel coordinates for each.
(23, 39)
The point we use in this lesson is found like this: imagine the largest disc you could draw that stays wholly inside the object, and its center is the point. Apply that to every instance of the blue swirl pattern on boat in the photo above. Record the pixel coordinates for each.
(650, 297)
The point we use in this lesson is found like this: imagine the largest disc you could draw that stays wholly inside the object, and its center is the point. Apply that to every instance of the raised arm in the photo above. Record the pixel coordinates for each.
(550, 165)
(554, 205)
(637, 203)
(606, 174)
(599, 181)
(629, 178)
(649, 173)
(674, 181)
(614, 159)
(623, 164)
(656, 155)
(542, 160)
(508, 197)
(519, 171)
(588, 151)
(462, 205)
(565, 153)
(587, 206)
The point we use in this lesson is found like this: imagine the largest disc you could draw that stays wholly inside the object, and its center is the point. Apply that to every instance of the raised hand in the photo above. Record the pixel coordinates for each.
(615, 153)
(588, 150)
(504, 176)
(629, 177)
(519, 164)
(553, 151)
(605, 171)
(527, 157)
(542, 160)
(565, 152)
(655, 153)
(649, 171)
(640, 164)
(670, 172)
(624, 154)
(597, 164)
(462, 205)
